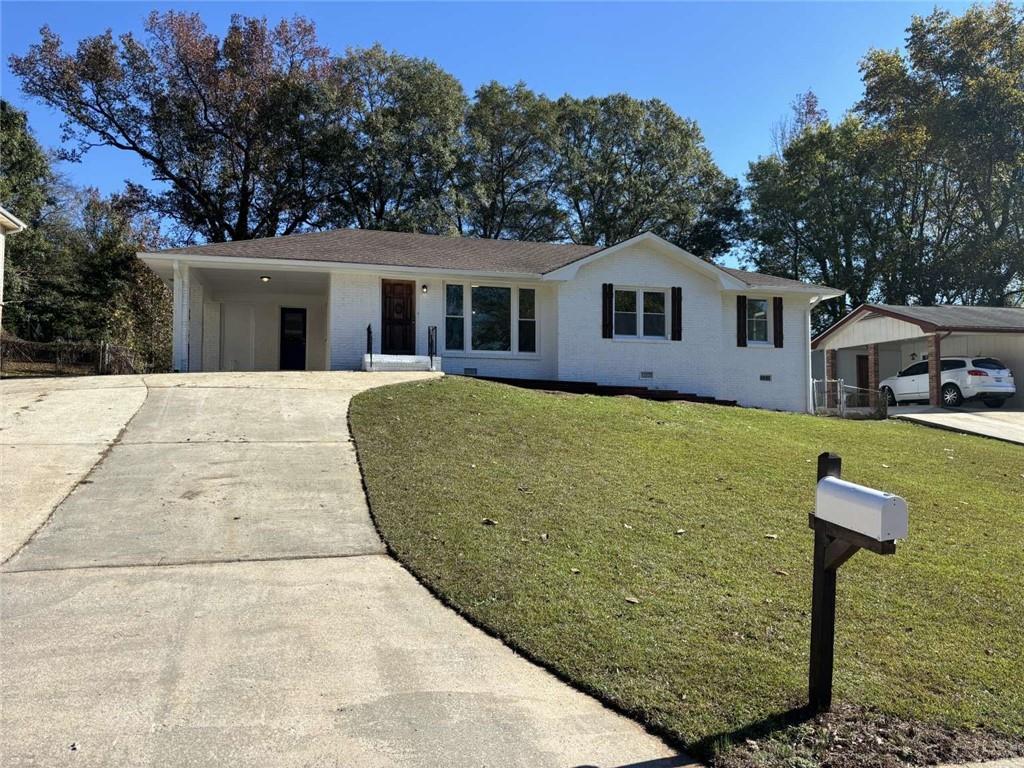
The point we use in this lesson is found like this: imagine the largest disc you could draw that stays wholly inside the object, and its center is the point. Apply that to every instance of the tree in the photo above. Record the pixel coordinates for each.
(226, 126)
(392, 155)
(957, 97)
(627, 166)
(812, 212)
(917, 196)
(36, 270)
(506, 180)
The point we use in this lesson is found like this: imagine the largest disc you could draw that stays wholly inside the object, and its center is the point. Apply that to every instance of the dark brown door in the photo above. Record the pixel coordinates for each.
(862, 372)
(398, 321)
(293, 339)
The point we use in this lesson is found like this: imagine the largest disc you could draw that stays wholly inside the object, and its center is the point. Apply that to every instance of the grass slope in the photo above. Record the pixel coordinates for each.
(700, 514)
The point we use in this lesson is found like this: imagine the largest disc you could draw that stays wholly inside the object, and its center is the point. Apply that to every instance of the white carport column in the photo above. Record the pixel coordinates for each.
(180, 331)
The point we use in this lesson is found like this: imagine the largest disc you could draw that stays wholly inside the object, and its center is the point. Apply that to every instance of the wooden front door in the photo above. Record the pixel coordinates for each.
(398, 317)
(862, 372)
(293, 339)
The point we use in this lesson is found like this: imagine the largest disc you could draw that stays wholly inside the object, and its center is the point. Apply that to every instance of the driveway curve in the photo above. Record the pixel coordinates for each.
(202, 585)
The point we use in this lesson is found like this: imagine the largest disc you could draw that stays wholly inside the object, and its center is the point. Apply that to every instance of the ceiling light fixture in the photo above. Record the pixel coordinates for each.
(424, 288)
(264, 278)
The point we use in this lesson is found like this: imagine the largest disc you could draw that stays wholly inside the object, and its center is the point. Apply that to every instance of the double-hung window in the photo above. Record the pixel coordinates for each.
(490, 318)
(527, 320)
(757, 320)
(454, 318)
(640, 313)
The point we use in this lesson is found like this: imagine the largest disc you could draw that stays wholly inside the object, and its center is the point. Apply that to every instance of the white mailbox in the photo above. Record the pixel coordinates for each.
(876, 514)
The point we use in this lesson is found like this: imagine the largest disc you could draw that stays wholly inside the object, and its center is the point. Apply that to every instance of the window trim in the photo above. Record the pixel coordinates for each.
(467, 320)
(639, 291)
(768, 341)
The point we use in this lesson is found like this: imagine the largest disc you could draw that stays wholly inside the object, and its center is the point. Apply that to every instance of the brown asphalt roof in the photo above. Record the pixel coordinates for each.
(954, 317)
(403, 249)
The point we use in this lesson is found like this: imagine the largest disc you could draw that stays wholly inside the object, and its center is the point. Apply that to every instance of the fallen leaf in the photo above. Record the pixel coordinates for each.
(781, 572)
(632, 601)
(680, 532)
(575, 570)
(627, 526)
(543, 537)
(771, 535)
(489, 521)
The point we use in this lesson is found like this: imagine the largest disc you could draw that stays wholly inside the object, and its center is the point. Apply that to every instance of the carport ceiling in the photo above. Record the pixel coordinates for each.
(248, 280)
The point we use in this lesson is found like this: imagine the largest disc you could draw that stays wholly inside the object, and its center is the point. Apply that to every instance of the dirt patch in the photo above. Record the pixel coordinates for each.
(854, 737)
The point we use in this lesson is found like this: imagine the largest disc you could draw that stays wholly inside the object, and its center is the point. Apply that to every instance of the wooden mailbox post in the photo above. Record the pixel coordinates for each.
(847, 517)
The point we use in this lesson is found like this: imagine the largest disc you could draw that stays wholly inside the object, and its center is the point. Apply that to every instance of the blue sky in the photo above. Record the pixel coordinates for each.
(733, 67)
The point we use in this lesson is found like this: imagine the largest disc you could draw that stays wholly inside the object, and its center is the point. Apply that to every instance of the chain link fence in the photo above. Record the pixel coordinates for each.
(834, 397)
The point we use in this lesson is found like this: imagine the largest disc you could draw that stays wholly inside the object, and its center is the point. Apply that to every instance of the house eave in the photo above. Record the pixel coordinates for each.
(306, 265)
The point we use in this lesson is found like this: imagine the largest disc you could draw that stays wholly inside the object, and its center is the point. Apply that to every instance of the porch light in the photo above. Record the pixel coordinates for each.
(264, 278)
(424, 288)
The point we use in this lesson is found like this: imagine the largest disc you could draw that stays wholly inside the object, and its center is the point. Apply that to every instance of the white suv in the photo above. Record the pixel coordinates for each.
(963, 378)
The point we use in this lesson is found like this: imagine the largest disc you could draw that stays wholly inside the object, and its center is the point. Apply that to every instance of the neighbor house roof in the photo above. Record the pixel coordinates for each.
(9, 222)
(939, 319)
(403, 249)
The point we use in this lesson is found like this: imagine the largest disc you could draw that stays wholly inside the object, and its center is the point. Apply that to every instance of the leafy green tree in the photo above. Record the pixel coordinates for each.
(627, 166)
(392, 155)
(36, 270)
(506, 176)
(811, 212)
(957, 97)
(226, 126)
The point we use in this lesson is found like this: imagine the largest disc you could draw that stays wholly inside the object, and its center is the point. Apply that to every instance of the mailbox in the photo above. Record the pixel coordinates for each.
(876, 514)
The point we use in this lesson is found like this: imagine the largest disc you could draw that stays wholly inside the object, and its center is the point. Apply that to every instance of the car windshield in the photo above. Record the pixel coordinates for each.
(988, 364)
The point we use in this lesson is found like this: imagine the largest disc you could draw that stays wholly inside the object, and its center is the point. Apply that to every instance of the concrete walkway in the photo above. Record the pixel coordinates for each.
(204, 587)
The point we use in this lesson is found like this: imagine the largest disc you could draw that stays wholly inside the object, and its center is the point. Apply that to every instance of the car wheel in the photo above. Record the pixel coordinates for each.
(994, 402)
(951, 396)
(890, 398)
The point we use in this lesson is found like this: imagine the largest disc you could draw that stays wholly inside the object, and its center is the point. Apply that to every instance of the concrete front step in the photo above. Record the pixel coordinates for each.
(401, 363)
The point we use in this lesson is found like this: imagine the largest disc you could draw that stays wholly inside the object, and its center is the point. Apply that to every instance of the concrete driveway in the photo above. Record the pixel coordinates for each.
(192, 578)
(1005, 424)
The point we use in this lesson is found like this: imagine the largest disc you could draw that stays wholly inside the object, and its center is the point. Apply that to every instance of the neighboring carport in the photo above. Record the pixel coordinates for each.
(878, 340)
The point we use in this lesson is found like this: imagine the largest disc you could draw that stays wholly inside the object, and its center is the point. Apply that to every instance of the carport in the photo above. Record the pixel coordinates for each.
(876, 341)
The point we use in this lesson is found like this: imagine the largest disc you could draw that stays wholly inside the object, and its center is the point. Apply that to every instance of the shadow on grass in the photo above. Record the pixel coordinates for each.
(707, 747)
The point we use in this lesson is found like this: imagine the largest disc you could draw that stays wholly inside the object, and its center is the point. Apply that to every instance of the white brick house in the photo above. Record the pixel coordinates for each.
(642, 313)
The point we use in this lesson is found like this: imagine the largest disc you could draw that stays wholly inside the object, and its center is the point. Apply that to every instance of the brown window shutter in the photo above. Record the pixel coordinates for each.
(607, 310)
(677, 313)
(741, 321)
(777, 320)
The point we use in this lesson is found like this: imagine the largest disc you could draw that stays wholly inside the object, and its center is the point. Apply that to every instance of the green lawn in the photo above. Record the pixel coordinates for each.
(700, 514)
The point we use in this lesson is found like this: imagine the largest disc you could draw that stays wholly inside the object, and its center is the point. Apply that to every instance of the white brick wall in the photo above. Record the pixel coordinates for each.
(354, 301)
(706, 361)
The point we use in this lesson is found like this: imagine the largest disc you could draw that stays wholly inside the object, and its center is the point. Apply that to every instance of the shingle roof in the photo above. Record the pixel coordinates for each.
(955, 317)
(403, 249)
(761, 280)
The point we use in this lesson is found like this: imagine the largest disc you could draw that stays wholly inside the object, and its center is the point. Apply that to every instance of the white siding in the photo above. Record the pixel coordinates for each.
(871, 330)
(262, 352)
(706, 361)
(211, 336)
(196, 291)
